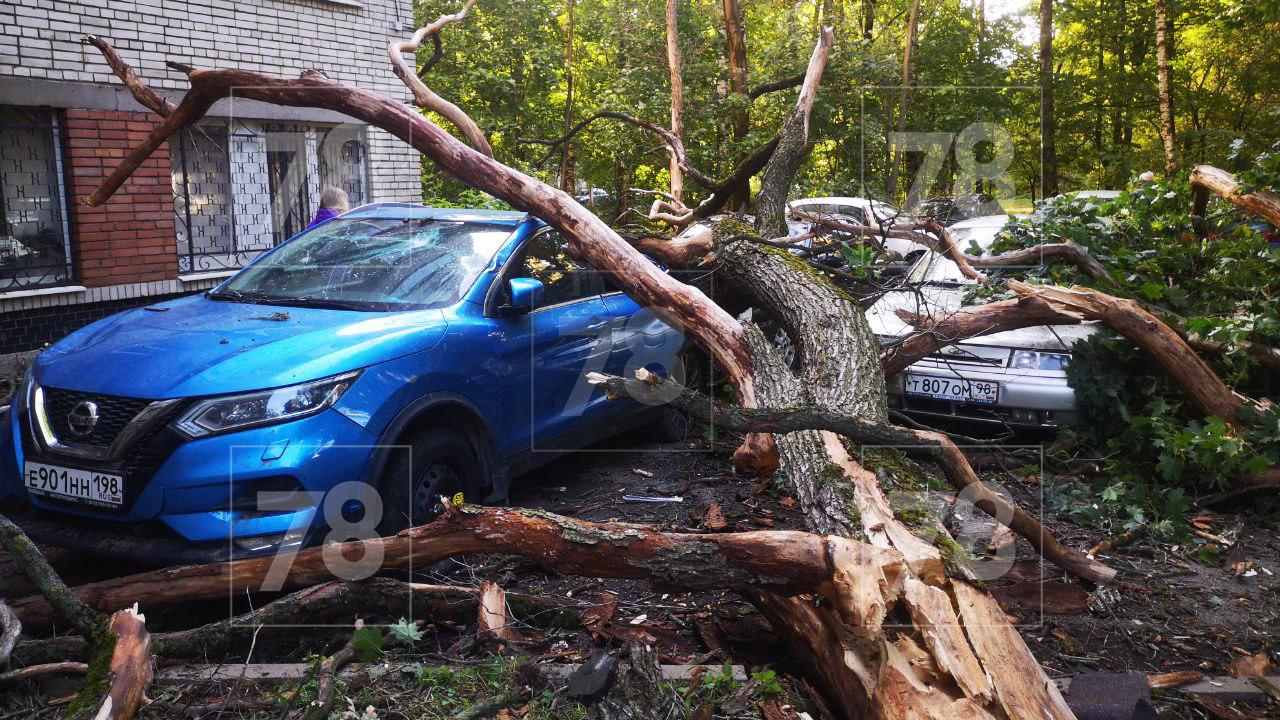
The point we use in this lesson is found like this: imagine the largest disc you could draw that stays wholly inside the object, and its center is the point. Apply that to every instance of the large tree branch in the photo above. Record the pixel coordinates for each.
(794, 138)
(590, 239)
(777, 561)
(649, 388)
(147, 97)
(424, 96)
(1207, 179)
(969, 322)
(785, 83)
(1203, 388)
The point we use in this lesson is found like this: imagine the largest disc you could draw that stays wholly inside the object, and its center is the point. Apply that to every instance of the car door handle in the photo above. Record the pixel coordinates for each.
(597, 324)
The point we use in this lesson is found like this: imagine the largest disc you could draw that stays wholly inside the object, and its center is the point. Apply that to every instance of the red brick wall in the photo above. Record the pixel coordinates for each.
(131, 237)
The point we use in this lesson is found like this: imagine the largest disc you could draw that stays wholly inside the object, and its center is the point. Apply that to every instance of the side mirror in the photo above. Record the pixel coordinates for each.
(526, 296)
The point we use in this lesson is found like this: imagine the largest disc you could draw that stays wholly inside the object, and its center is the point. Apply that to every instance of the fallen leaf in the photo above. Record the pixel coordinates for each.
(774, 711)
(1240, 567)
(598, 615)
(714, 518)
(786, 501)
(1250, 666)
(764, 522)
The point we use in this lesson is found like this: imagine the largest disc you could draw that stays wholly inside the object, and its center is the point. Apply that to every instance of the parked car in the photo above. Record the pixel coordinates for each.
(351, 376)
(1016, 377)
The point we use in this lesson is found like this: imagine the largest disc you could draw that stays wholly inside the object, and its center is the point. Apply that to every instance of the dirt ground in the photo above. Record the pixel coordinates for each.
(1173, 612)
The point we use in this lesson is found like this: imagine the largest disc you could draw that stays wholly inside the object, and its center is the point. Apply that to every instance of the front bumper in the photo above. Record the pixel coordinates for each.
(1028, 398)
(196, 500)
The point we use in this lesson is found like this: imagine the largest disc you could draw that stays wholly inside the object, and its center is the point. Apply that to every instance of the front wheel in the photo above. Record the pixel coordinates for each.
(437, 462)
(673, 424)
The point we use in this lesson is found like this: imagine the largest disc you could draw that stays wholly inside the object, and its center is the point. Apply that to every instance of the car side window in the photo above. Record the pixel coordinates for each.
(546, 258)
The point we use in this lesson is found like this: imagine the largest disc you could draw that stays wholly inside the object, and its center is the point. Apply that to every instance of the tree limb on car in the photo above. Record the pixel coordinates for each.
(589, 238)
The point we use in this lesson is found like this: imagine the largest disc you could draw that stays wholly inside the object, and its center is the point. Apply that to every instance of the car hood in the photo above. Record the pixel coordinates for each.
(196, 346)
(941, 301)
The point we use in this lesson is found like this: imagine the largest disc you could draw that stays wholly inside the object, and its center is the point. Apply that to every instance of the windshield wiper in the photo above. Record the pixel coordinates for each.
(323, 303)
(234, 296)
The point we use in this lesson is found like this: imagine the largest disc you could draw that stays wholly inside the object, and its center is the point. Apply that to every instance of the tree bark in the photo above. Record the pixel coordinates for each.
(130, 668)
(739, 117)
(1048, 120)
(567, 178)
(494, 626)
(1164, 37)
(677, 98)
(913, 19)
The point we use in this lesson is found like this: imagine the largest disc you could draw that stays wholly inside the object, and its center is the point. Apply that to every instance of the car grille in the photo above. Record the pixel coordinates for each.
(139, 461)
(114, 413)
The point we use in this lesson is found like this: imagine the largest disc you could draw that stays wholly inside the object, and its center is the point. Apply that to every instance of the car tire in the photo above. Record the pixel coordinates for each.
(673, 424)
(441, 462)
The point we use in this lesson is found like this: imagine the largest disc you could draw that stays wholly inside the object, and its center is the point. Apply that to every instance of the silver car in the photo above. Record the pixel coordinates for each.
(1016, 378)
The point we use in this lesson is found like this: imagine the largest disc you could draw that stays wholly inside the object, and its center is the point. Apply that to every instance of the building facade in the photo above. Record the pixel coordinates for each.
(216, 195)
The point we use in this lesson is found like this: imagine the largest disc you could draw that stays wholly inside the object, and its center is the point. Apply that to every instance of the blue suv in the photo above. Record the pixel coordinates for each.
(337, 387)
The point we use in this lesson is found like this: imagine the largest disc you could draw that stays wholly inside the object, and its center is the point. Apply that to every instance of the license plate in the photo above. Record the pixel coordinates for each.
(84, 486)
(941, 388)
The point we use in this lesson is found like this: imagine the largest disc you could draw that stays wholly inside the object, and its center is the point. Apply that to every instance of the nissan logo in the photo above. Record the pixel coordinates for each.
(83, 418)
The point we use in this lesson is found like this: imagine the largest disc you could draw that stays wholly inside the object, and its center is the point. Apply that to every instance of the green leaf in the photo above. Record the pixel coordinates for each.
(367, 642)
(405, 632)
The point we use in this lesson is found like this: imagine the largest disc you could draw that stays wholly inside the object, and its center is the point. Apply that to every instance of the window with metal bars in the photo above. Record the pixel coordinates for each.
(35, 248)
(241, 188)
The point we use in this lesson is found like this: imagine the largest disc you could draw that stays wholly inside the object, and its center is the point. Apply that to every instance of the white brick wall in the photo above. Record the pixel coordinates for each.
(40, 39)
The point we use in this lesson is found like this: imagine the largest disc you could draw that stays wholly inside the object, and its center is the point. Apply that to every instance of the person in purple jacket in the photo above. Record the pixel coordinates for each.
(333, 202)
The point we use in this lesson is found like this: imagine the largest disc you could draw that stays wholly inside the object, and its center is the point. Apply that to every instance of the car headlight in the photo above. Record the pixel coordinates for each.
(265, 407)
(1036, 360)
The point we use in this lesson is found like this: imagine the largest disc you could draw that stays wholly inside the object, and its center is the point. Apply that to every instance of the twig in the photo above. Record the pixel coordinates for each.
(34, 671)
(319, 708)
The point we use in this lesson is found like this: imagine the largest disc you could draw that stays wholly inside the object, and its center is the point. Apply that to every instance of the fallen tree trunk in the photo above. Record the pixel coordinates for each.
(337, 601)
(1206, 179)
(784, 562)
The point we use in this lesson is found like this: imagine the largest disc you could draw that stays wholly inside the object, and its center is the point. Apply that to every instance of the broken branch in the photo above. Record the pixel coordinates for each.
(1207, 179)
(423, 96)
